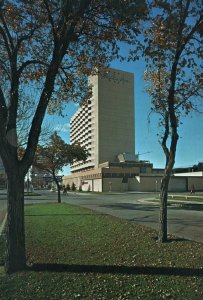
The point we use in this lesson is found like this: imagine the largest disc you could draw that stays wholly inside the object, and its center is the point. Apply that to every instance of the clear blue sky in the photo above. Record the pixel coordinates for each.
(190, 144)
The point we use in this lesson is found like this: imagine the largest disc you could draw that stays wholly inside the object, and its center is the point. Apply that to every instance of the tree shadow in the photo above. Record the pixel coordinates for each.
(172, 239)
(113, 269)
(34, 198)
(130, 206)
(188, 206)
(64, 215)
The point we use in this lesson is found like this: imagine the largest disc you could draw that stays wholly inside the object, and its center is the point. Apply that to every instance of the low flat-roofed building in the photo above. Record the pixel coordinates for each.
(109, 177)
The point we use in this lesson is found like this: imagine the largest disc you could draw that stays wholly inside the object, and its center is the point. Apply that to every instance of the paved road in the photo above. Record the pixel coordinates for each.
(186, 222)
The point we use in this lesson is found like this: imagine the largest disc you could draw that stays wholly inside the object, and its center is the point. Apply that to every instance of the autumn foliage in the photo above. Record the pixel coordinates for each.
(173, 53)
(57, 154)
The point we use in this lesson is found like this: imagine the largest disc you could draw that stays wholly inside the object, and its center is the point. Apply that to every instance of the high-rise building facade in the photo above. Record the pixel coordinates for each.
(105, 125)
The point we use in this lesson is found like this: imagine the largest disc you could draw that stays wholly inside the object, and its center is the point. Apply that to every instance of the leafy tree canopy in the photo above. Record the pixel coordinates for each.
(173, 51)
(47, 50)
(58, 154)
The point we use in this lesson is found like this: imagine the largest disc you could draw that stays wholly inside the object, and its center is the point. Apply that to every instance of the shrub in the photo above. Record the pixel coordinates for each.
(66, 188)
(49, 186)
(73, 187)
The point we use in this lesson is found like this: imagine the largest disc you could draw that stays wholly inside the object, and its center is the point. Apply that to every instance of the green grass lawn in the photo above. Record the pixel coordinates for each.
(31, 194)
(75, 253)
(191, 198)
(185, 198)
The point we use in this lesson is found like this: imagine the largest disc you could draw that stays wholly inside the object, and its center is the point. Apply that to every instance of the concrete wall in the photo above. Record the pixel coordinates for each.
(143, 183)
(178, 184)
(116, 126)
(87, 180)
(95, 121)
(70, 179)
(87, 185)
(134, 184)
(153, 183)
(97, 185)
(114, 185)
(195, 183)
(93, 185)
(149, 183)
(106, 126)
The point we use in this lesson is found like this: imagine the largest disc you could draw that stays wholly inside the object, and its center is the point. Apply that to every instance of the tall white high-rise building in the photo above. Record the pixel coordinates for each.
(105, 125)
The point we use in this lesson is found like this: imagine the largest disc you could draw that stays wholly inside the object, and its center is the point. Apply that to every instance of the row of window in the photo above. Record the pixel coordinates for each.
(82, 136)
(82, 119)
(120, 175)
(82, 115)
(81, 163)
(80, 129)
(92, 176)
(111, 175)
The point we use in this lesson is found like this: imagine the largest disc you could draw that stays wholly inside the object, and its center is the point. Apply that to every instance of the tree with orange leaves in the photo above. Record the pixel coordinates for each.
(47, 50)
(57, 154)
(173, 52)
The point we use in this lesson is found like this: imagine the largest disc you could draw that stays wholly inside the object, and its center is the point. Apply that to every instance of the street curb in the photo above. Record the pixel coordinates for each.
(3, 224)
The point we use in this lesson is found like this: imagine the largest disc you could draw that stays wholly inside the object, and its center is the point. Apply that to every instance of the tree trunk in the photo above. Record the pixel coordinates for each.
(170, 161)
(15, 252)
(163, 210)
(58, 187)
(59, 192)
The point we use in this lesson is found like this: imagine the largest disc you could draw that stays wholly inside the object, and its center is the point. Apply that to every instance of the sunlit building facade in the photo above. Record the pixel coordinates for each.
(105, 125)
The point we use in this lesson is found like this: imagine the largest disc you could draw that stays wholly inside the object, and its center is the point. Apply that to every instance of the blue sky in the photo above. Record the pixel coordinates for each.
(190, 144)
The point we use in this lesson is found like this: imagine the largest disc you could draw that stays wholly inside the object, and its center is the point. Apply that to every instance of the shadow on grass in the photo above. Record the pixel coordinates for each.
(125, 270)
(64, 215)
(172, 239)
(41, 199)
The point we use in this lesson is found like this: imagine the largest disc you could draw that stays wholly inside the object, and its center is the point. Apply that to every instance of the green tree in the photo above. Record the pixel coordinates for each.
(47, 50)
(173, 51)
(73, 187)
(57, 154)
(68, 187)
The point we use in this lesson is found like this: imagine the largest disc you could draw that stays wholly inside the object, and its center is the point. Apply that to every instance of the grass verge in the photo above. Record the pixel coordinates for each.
(31, 194)
(194, 198)
(75, 253)
(185, 198)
